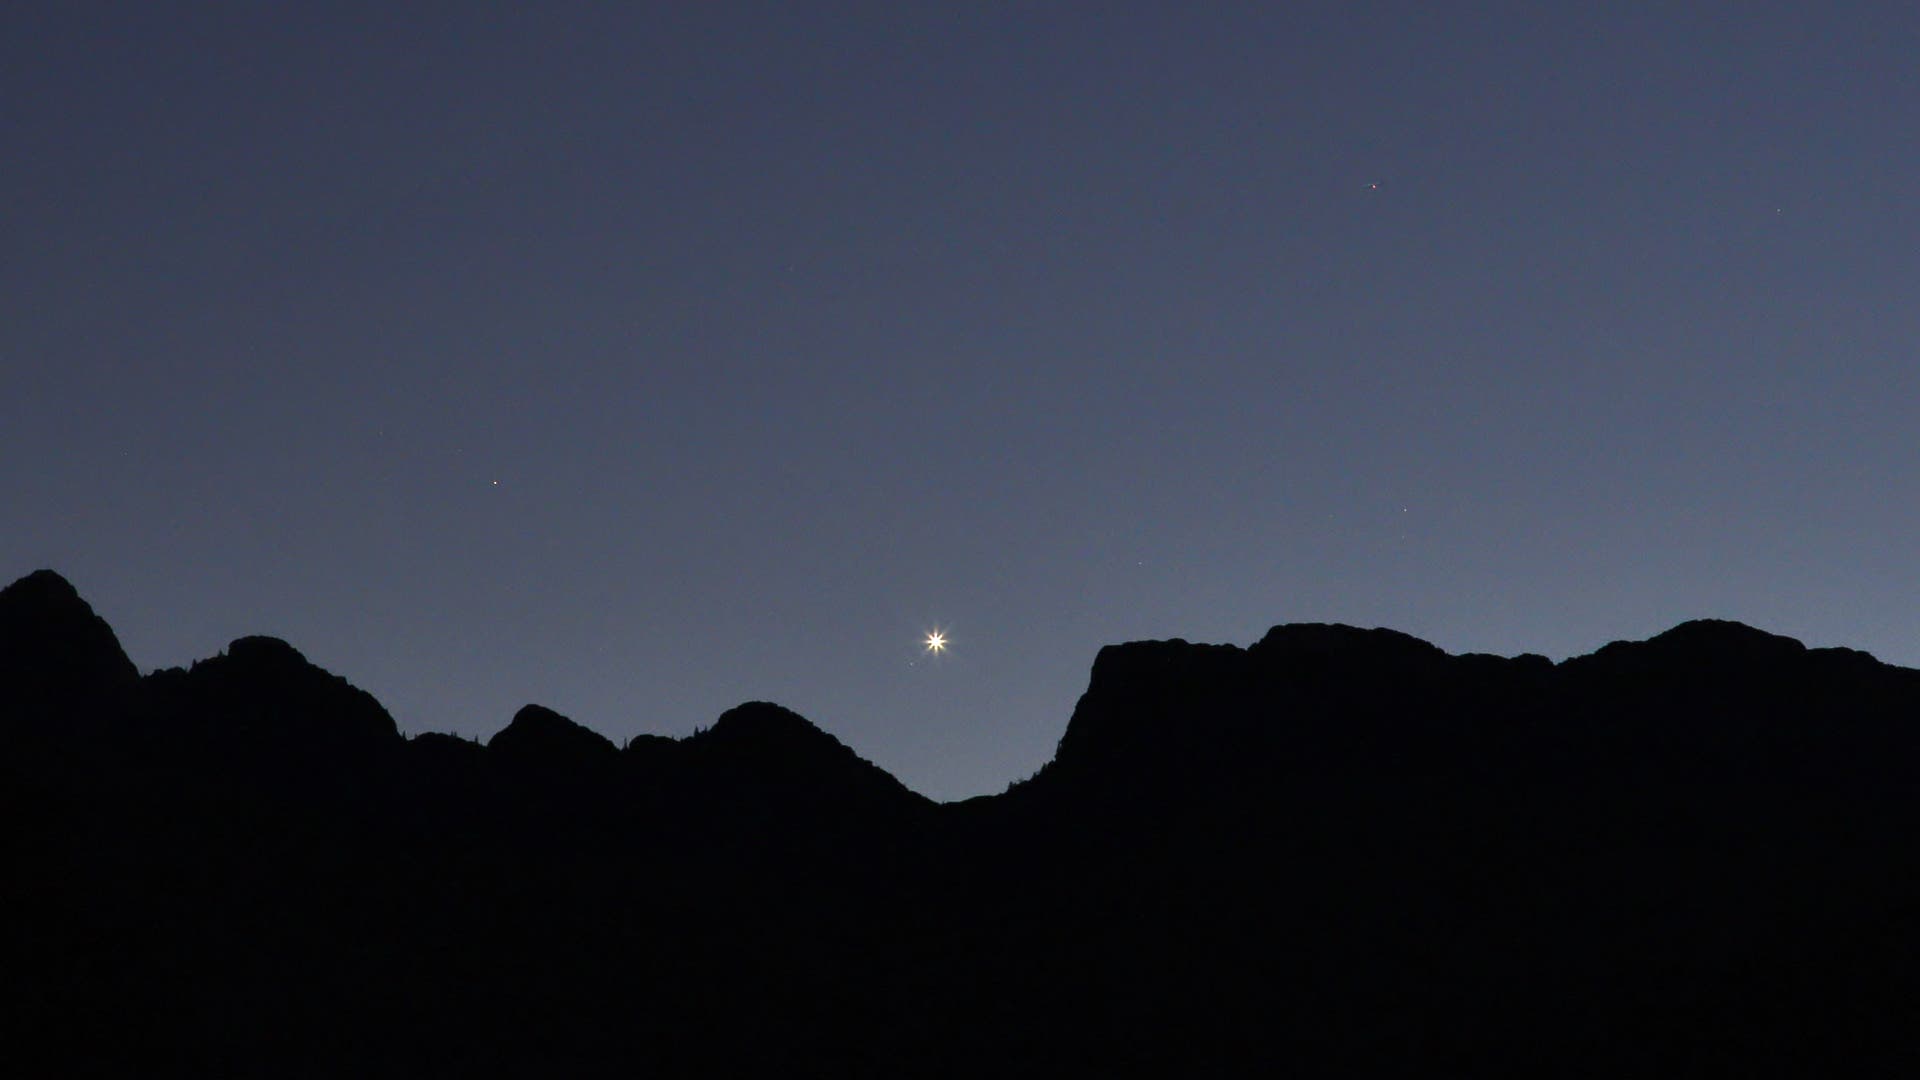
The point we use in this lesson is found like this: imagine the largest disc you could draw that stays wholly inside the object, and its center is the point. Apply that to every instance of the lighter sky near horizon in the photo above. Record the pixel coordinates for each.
(640, 360)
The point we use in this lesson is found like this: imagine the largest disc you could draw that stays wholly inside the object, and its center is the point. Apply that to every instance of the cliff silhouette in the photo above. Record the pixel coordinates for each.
(1338, 851)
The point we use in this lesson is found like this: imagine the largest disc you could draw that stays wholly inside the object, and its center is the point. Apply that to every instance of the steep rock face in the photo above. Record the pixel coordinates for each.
(55, 653)
(1338, 707)
(1150, 706)
(1167, 717)
(1629, 733)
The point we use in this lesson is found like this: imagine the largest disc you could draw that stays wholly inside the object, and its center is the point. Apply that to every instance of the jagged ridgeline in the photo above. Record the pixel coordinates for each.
(1336, 851)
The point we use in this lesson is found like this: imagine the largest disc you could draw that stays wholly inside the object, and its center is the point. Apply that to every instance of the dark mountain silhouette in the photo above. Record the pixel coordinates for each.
(779, 756)
(1335, 852)
(261, 693)
(55, 653)
(540, 734)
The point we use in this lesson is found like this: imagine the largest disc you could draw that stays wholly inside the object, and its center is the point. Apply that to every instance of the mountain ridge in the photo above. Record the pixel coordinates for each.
(1335, 850)
(45, 611)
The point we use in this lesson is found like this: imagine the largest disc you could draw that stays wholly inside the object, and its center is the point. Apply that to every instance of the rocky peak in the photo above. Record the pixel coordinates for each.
(53, 648)
(781, 753)
(265, 653)
(1339, 646)
(1721, 639)
(263, 690)
(1695, 648)
(538, 734)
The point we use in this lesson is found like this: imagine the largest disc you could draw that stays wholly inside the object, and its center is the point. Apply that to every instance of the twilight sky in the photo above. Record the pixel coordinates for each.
(642, 359)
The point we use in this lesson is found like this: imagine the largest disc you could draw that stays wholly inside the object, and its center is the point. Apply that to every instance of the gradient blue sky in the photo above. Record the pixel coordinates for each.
(641, 359)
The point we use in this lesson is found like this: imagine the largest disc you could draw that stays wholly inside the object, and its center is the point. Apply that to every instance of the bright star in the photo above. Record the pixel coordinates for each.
(936, 642)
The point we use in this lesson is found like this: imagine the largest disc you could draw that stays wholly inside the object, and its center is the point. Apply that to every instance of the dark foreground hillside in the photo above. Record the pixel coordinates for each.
(1336, 852)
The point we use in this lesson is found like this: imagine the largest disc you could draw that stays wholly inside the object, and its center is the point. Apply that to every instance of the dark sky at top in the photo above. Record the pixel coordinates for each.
(641, 359)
